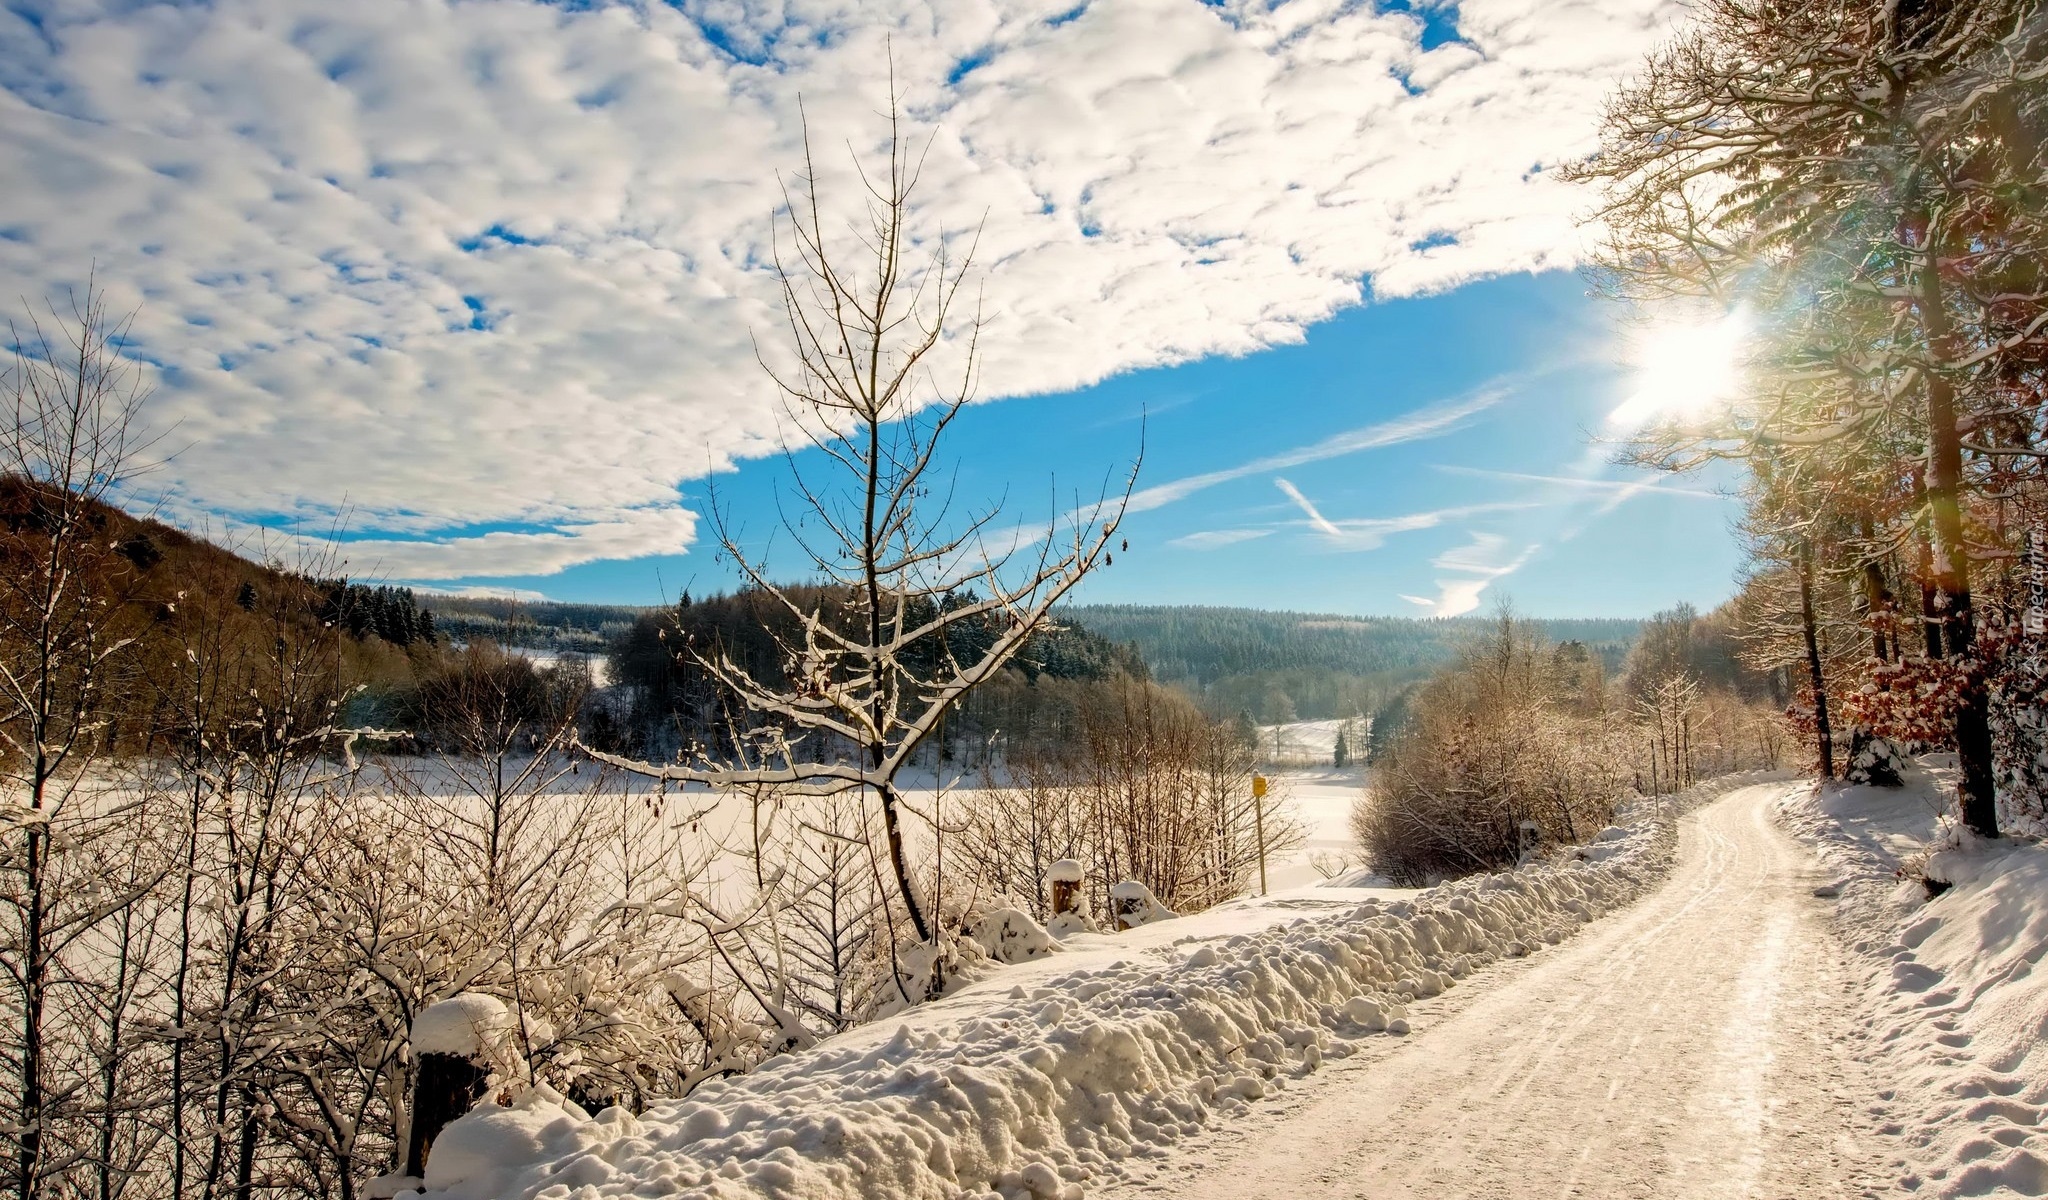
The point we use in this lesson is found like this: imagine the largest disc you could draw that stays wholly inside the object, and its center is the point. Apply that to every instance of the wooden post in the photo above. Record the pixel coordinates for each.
(1259, 820)
(449, 1043)
(446, 1087)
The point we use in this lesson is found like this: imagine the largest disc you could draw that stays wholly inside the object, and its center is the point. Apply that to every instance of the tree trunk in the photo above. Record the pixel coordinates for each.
(892, 826)
(1823, 734)
(31, 1115)
(1976, 796)
(1877, 599)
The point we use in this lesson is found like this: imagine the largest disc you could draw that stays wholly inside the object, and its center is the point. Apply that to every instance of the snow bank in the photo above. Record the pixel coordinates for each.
(1957, 1008)
(484, 1152)
(1038, 1091)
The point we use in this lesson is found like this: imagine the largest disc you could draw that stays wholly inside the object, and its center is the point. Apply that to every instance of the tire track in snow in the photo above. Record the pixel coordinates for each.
(1697, 1044)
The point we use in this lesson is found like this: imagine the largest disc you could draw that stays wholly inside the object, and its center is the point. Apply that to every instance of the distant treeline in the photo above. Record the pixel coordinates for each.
(666, 696)
(1284, 666)
(391, 613)
(537, 624)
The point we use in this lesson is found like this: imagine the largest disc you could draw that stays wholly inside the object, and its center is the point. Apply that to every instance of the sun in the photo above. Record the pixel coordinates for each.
(1684, 370)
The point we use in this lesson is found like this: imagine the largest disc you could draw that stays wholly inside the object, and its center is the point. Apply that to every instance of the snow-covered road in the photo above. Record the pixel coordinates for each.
(1696, 1044)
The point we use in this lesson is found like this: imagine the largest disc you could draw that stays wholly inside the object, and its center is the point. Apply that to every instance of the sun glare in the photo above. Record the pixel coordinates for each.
(1683, 371)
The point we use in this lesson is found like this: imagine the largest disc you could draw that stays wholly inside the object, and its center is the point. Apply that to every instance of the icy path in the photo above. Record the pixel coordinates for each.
(1693, 1045)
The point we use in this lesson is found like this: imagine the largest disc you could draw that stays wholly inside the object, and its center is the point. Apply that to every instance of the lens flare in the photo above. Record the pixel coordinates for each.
(1684, 371)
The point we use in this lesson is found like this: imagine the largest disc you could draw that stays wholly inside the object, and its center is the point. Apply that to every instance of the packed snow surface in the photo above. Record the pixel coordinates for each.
(1696, 1044)
(1063, 1073)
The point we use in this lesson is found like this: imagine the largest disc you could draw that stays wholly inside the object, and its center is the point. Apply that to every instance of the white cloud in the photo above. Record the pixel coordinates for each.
(1347, 533)
(461, 265)
(1432, 421)
(482, 592)
(1315, 518)
(1216, 539)
(1370, 533)
(1470, 569)
(1615, 491)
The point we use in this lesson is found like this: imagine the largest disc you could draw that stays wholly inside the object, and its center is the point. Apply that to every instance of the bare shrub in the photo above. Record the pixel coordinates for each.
(1149, 789)
(1499, 747)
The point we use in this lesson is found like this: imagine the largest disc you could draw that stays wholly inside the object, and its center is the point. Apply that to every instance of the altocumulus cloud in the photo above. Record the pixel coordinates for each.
(496, 264)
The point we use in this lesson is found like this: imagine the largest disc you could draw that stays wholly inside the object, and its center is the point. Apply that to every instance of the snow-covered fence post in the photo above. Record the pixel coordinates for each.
(1066, 877)
(451, 1048)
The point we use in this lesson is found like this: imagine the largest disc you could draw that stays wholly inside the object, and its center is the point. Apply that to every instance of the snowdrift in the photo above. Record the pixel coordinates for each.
(1958, 1008)
(1037, 1090)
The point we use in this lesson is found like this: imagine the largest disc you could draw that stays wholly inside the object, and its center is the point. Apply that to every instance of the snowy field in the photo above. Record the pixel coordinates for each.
(1070, 1073)
(1321, 800)
(1307, 743)
(600, 666)
(1298, 757)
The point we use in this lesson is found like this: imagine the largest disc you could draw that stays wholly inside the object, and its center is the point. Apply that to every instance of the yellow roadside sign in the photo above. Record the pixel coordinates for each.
(1258, 787)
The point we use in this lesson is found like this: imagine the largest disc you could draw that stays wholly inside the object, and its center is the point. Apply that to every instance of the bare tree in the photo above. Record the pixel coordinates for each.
(920, 604)
(73, 437)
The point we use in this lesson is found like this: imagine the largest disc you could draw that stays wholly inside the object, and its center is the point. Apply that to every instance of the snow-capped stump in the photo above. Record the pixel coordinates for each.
(1011, 936)
(1066, 877)
(452, 1041)
(1069, 899)
(1135, 905)
(467, 1025)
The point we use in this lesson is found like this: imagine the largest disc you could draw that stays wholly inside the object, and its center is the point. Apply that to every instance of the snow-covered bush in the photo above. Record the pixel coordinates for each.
(1492, 742)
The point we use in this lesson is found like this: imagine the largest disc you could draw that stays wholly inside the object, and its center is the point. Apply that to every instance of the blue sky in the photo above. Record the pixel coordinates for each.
(480, 281)
(1523, 483)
